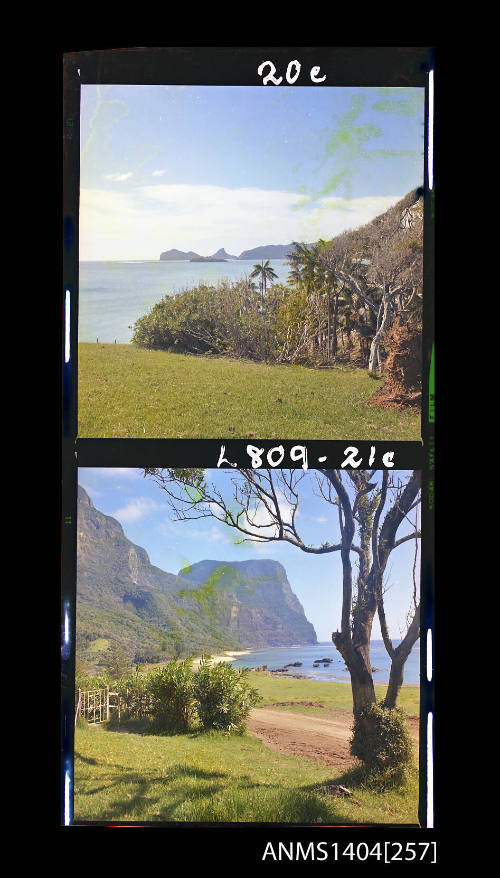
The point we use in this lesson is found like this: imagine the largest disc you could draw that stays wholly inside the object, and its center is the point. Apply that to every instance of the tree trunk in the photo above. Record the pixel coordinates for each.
(363, 690)
(353, 642)
(335, 324)
(264, 317)
(328, 336)
(383, 326)
(357, 659)
(399, 657)
(395, 681)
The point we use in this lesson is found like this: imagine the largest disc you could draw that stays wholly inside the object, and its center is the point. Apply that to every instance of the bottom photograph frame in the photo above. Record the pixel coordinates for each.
(221, 658)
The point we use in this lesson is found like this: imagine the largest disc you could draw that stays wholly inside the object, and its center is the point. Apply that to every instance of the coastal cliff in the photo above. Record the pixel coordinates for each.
(210, 606)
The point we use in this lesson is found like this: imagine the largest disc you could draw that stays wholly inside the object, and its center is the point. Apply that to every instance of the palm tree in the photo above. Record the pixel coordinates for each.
(311, 269)
(301, 261)
(265, 273)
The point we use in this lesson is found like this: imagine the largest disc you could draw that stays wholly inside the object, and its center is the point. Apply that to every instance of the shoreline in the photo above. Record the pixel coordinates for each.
(292, 674)
(325, 679)
(228, 656)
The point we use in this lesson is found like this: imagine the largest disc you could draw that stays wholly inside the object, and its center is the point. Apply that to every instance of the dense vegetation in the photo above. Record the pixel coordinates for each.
(339, 304)
(288, 691)
(178, 699)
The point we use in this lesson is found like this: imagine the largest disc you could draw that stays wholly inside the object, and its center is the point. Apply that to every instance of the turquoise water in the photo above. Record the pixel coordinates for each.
(113, 295)
(278, 657)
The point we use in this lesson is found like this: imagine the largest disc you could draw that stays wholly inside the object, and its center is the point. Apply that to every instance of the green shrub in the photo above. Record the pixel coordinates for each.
(223, 696)
(82, 681)
(382, 742)
(226, 319)
(135, 696)
(171, 690)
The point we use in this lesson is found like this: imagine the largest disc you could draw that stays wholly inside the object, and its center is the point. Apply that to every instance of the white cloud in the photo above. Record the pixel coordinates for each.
(136, 509)
(113, 471)
(172, 529)
(118, 178)
(141, 222)
(158, 173)
(262, 548)
(215, 535)
(259, 521)
(168, 528)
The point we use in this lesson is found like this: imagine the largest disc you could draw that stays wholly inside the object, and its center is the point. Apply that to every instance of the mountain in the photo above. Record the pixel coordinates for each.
(264, 609)
(268, 251)
(221, 254)
(177, 255)
(180, 255)
(152, 614)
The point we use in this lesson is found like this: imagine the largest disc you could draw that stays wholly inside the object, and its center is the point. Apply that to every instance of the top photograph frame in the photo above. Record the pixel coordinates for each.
(322, 327)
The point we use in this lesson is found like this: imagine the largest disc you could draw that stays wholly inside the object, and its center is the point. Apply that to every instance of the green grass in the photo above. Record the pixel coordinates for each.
(334, 696)
(214, 778)
(128, 392)
(136, 776)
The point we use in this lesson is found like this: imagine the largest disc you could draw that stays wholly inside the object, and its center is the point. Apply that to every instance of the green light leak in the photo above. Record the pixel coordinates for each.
(400, 102)
(347, 145)
(431, 389)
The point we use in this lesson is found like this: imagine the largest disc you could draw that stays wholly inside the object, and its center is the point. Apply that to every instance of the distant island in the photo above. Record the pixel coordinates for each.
(206, 259)
(267, 251)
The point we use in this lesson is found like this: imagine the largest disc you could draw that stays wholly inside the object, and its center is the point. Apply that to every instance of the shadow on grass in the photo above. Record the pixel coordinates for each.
(142, 798)
(87, 759)
(185, 793)
(148, 726)
(137, 726)
(151, 796)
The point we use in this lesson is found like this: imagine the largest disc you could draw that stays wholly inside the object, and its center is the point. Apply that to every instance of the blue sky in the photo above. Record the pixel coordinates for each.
(201, 167)
(141, 508)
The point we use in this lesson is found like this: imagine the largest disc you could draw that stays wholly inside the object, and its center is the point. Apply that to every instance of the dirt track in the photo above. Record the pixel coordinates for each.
(312, 737)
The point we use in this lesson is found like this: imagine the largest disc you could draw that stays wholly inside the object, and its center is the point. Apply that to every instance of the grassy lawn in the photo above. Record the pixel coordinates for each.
(128, 392)
(334, 696)
(214, 778)
(208, 778)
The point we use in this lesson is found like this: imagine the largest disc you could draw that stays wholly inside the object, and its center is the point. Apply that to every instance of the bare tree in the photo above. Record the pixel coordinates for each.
(371, 511)
(382, 265)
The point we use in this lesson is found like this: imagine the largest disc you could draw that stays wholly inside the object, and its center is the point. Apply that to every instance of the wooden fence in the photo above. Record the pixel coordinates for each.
(95, 704)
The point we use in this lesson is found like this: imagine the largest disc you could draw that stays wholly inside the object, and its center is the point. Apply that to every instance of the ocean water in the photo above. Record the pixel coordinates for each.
(278, 657)
(113, 295)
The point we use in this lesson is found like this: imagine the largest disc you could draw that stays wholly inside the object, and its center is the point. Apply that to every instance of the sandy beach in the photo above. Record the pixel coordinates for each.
(228, 656)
